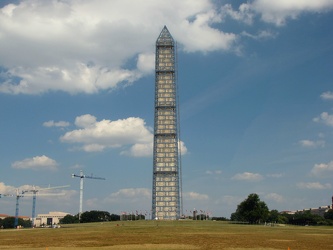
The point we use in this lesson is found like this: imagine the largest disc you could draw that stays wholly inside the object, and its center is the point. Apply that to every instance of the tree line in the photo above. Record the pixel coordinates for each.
(9, 222)
(90, 216)
(254, 211)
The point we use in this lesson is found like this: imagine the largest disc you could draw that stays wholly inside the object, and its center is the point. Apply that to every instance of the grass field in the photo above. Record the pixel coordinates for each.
(168, 235)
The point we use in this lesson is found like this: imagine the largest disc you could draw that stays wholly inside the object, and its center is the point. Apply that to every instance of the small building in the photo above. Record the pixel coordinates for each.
(52, 218)
(315, 211)
(4, 216)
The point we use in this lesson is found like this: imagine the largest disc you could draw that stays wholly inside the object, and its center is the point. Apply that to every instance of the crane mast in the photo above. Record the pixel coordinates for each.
(82, 176)
(34, 192)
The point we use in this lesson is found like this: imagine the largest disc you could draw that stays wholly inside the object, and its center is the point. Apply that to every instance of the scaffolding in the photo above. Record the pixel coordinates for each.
(166, 180)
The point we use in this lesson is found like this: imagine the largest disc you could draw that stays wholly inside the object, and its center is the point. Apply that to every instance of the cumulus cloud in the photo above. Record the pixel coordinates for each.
(324, 118)
(244, 13)
(323, 169)
(87, 47)
(313, 185)
(214, 172)
(129, 195)
(276, 12)
(246, 176)
(274, 197)
(5, 189)
(146, 149)
(195, 196)
(132, 135)
(139, 150)
(328, 95)
(312, 144)
(36, 163)
(230, 200)
(52, 123)
(97, 135)
(261, 35)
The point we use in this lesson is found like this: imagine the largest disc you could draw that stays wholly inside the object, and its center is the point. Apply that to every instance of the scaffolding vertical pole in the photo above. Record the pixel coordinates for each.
(166, 195)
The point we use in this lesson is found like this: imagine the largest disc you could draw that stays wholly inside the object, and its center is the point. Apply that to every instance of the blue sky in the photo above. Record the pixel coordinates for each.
(255, 90)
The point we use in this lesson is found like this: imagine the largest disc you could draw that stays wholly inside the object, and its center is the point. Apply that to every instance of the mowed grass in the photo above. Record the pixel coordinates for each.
(168, 235)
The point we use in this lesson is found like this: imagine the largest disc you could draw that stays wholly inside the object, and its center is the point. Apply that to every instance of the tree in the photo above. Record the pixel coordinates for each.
(114, 217)
(69, 219)
(95, 216)
(329, 215)
(8, 222)
(251, 210)
(303, 218)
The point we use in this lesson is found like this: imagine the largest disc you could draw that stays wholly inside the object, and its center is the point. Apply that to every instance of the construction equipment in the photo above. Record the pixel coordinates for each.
(82, 176)
(18, 196)
(34, 192)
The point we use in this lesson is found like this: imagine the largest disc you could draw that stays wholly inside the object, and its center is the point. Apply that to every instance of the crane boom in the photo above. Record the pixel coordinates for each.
(34, 192)
(82, 176)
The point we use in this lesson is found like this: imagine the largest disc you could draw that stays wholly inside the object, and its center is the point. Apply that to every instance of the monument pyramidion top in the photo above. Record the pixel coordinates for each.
(165, 38)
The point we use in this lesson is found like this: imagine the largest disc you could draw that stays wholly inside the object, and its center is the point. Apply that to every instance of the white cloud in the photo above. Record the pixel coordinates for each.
(276, 12)
(182, 148)
(139, 150)
(244, 13)
(328, 95)
(275, 175)
(4, 189)
(230, 200)
(323, 169)
(129, 195)
(274, 197)
(98, 135)
(261, 35)
(131, 134)
(246, 176)
(85, 121)
(56, 124)
(214, 172)
(36, 163)
(312, 144)
(86, 47)
(195, 196)
(146, 149)
(313, 185)
(324, 118)
(146, 62)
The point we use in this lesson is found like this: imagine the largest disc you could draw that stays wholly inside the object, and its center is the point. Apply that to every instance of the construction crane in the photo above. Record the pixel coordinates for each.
(82, 176)
(18, 196)
(34, 192)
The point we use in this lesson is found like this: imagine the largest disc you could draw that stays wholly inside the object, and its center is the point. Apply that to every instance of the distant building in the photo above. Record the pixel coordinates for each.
(52, 218)
(4, 216)
(315, 211)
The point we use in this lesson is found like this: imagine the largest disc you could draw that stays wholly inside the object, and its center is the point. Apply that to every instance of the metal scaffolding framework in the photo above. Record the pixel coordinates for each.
(166, 175)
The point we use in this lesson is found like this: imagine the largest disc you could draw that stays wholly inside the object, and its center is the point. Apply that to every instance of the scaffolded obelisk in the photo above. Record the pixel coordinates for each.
(166, 190)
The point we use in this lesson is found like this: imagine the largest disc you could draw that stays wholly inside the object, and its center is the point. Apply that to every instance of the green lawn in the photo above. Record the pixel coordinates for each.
(168, 235)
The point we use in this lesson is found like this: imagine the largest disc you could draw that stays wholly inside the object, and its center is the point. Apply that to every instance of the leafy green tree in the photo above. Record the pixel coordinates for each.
(69, 219)
(329, 215)
(273, 216)
(9, 222)
(116, 217)
(219, 218)
(303, 218)
(251, 210)
(95, 216)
